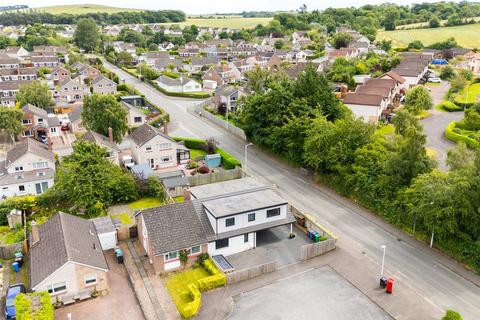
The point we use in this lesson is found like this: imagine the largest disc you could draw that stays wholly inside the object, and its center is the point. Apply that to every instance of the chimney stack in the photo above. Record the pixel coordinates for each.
(35, 235)
(110, 134)
(165, 128)
(187, 195)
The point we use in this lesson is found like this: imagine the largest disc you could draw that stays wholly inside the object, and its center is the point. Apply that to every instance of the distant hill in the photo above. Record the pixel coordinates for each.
(83, 8)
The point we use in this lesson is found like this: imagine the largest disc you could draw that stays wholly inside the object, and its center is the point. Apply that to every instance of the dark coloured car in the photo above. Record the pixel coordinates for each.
(12, 292)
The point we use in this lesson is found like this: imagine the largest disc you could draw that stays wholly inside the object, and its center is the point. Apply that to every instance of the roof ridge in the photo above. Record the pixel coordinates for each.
(64, 238)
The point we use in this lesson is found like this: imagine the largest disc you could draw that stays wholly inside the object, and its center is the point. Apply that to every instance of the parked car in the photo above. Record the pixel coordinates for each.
(128, 161)
(43, 138)
(12, 292)
(434, 80)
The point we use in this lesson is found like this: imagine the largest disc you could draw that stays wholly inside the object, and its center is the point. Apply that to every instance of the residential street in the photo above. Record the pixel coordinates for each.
(434, 126)
(420, 269)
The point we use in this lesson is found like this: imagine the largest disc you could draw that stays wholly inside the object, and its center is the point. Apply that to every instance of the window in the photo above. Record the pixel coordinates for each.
(90, 279)
(18, 168)
(166, 158)
(148, 149)
(137, 119)
(26, 121)
(222, 243)
(229, 222)
(273, 212)
(21, 188)
(171, 255)
(245, 238)
(165, 145)
(40, 120)
(53, 130)
(40, 165)
(27, 133)
(41, 174)
(151, 162)
(251, 217)
(41, 187)
(195, 249)
(57, 287)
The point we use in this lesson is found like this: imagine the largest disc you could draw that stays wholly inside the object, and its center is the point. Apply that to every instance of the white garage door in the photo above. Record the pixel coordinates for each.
(108, 240)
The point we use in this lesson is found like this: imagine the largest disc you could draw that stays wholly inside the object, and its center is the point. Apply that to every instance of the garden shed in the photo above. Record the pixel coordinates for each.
(107, 234)
(213, 160)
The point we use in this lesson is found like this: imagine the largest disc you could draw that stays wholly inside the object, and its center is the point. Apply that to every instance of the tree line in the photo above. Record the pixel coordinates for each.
(303, 122)
(127, 17)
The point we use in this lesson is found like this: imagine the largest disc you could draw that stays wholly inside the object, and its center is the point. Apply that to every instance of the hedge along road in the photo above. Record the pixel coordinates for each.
(360, 233)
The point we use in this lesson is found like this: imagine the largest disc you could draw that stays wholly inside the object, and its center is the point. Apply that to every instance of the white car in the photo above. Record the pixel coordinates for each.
(435, 80)
(128, 161)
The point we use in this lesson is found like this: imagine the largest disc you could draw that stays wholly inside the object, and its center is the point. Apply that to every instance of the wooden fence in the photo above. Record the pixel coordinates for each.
(313, 250)
(251, 272)
(217, 176)
(7, 251)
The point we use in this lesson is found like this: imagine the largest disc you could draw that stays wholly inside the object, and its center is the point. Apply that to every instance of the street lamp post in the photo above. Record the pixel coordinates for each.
(246, 156)
(431, 240)
(384, 247)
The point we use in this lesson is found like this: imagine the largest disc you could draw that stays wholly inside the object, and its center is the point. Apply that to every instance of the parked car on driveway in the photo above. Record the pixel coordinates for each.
(434, 80)
(43, 138)
(12, 292)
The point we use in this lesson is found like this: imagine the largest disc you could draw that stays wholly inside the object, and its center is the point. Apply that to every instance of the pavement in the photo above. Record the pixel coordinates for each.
(437, 281)
(434, 126)
(119, 303)
(316, 294)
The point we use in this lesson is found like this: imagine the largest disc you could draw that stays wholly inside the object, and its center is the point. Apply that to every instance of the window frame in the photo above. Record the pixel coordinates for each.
(52, 288)
(229, 222)
(222, 243)
(20, 188)
(246, 238)
(273, 212)
(167, 257)
(87, 281)
(250, 215)
(192, 251)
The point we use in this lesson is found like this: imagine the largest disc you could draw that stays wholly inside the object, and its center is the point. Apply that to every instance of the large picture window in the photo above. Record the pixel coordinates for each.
(222, 243)
(273, 212)
(90, 279)
(57, 287)
(171, 255)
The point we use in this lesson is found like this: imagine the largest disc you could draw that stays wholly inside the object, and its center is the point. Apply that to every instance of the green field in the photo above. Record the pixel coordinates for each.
(425, 24)
(234, 22)
(82, 9)
(466, 36)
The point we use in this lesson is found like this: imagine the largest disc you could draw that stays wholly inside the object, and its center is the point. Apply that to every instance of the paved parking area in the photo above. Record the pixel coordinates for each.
(272, 244)
(316, 294)
(120, 303)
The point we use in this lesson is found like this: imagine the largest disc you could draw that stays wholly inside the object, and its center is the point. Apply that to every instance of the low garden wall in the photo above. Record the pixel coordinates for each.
(8, 251)
(217, 176)
(220, 122)
(251, 272)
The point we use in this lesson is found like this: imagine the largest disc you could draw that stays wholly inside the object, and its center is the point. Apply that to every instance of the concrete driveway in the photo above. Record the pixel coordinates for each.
(317, 294)
(434, 126)
(120, 303)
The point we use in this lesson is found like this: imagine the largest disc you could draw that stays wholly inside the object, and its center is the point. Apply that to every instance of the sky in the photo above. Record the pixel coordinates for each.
(213, 6)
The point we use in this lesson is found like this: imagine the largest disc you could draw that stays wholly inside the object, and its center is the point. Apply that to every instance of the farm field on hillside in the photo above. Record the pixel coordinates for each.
(228, 22)
(82, 9)
(466, 36)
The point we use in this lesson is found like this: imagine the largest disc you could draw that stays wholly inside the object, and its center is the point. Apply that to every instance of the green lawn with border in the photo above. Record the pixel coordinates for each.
(470, 93)
(385, 130)
(145, 203)
(466, 36)
(177, 284)
(124, 218)
(196, 153)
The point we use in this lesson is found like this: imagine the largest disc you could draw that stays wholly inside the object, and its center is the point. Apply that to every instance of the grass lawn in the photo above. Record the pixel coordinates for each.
(123, 217)
(8, 236)
(145, 203)
(471, 93)
(179, 199)
(83, 8)
(195, 153)
(385, 130)
(177, 283)
(466, 36)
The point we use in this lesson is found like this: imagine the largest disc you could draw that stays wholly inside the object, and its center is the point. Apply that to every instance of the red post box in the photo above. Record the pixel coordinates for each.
(389, 287)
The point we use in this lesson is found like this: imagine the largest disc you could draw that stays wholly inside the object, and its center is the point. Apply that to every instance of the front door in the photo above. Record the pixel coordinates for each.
(151, 162)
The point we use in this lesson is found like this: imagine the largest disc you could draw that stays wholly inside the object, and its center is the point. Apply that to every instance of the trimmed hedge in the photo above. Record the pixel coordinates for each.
(456, 137)
(217, 279)
(199, 95)
(228, 161)
(24, 310)
(449, 106)
(192, 143)
(191, 308)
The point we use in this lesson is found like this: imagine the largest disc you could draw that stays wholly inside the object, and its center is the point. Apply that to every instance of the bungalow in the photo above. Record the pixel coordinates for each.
(152, 147)
(412, 75)
(135, 117)
(8, 92)
(221, 219)
(198, 63)
(72, 90)
(395, 76)
(164, 64)
(367, 106)
(120, 46)
(17, 53)
(150, 58)
(66, 258)
(28, 169)
(20, 74)
(49, 62)
(103, 85)
(113, 152)
(180, 85)
(7, 62)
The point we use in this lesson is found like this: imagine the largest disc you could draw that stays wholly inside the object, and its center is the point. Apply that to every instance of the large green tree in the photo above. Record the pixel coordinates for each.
(35, 93)
(87, 36)
(418, 99)
(101, 112)
(87, 180)
(11, 121)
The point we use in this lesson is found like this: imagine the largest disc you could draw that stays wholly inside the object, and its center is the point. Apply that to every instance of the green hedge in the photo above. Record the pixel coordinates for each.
(24, 310)
(191, 308)
(456, 137)
(449, 106)
(196, 95)
(212, 282)
(228, 161)
(193, 143)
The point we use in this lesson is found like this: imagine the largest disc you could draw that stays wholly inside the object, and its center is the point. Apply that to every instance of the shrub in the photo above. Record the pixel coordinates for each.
(203, 169)
(449, 106)
(202, 258)
(456, 137)
(452, 315)
(210, 267)
(212, 282)
(25, 310)
(191, 308)
(193, 143)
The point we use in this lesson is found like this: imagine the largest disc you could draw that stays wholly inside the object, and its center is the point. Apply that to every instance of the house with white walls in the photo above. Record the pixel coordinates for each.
(219, 219)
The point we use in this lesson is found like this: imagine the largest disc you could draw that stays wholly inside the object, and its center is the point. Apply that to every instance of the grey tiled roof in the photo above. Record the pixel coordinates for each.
(173, 227)
(35, 110)
(28, 145)
(173, 82)
(99, 139)
(145, 133)
(65, 238)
